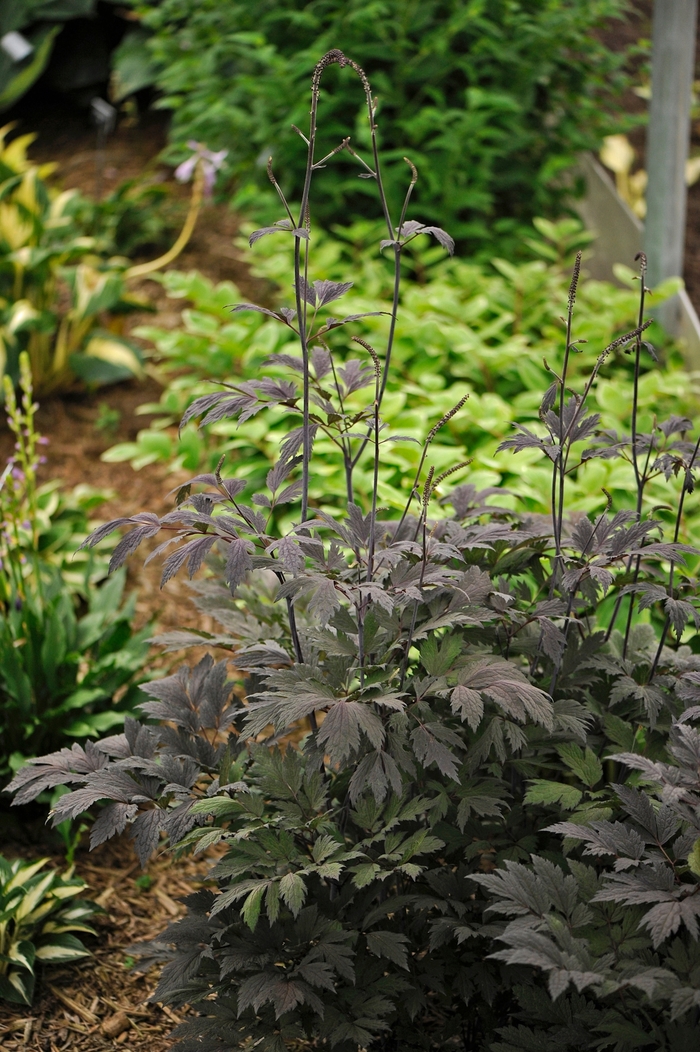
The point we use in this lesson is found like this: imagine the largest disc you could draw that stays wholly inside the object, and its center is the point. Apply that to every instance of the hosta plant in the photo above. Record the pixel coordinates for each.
(55, 289)
(406, 699)
(41, 917)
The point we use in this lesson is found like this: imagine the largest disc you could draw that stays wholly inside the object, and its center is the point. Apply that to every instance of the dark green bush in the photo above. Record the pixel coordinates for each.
(409, 705)
(491, 101)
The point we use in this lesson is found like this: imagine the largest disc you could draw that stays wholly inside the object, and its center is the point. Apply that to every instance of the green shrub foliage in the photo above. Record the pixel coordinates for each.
(491, 101)
(66, 673)
(449, 752)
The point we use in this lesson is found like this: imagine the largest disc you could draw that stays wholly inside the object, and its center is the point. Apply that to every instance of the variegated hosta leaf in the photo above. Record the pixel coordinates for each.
(39, 916)
(61, 947)
(115, 352)
(17, 986)
(23, 953)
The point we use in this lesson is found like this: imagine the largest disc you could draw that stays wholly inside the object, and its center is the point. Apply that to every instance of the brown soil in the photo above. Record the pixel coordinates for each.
(101, 1003)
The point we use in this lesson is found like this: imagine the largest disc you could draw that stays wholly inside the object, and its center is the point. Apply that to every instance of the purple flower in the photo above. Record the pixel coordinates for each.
(18, 475)
(26, 525)
(211, 163)
(43, 440)
(42, 460)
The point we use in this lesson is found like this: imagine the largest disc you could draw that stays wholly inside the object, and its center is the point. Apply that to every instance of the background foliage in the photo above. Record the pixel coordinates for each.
(55, 285)
(70, 661)
(463, 328)
(491, 101)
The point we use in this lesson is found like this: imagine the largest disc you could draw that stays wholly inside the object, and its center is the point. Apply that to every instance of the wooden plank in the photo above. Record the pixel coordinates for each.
(672, 70)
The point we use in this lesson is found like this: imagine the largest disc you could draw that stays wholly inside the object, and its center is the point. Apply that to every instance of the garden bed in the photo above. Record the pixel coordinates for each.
(102, 1003)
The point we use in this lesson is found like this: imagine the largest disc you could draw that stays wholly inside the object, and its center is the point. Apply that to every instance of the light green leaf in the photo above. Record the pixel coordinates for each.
(293, 891)
(541, 791)
(251, 907)
(585, 765)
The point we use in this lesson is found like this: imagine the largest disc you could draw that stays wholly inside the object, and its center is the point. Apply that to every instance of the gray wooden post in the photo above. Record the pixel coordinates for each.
(672, 68)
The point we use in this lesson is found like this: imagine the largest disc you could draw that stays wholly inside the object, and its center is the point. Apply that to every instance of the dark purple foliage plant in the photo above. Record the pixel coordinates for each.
(449, 751)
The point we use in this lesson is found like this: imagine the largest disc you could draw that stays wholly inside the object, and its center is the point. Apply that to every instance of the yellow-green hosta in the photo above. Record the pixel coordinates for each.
(53, 285)
(40, 913)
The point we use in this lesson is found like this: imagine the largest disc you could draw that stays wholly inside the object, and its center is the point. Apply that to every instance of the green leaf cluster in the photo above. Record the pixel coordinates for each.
(40, 914)
(462, 329)
(64, 672)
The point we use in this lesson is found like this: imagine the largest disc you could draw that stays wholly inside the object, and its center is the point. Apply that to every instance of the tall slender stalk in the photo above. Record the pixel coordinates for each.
(559, 468)
(375, 471)
(640, 477)
(427, 492)
(687, 488)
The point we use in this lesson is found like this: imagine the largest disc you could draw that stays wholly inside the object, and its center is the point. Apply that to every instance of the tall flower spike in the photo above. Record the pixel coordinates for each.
(574, 280)
(451, 471)
(428, 488)
(372, 353)
(446, 419)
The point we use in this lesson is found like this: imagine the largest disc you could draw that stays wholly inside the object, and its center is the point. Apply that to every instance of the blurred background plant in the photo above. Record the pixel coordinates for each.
(619, 155)
(63, 296)
(28, 30)
(55, 289)
(492, 102)
(140, 215)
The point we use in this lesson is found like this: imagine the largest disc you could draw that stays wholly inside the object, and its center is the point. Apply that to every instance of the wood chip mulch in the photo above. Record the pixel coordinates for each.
(100, 1002)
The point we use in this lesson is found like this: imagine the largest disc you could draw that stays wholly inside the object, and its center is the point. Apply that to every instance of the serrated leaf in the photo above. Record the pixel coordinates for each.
(438, 657)
(585, 765)
(389, 944)
(540, 791)
(251, 907)
(467, 704)
(293, 892)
